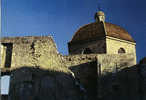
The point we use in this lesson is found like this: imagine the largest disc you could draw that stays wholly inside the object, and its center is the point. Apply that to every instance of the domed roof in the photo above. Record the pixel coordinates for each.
(94, 30)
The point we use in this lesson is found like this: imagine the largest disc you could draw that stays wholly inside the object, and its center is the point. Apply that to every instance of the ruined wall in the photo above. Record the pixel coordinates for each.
(122, 85)
(38, 71)
(73, 60)
(85, 70)
(39, 84)
(33, 51)
(108, 62)
(106, 67)
(46, 74)
(125, 82)
(113, 62)
(113, 45)
(96, 46)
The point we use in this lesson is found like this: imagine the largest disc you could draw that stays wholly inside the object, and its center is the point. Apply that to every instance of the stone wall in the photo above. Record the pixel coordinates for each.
(38, 71)
(119, 78)
(39, 84)
(32, 51)
(73, 60)
(47, 74)
(113, 45)
(108, 62)
(106, 66)
(112, 62)
(125, 84)
(84, 68)
(122, 85)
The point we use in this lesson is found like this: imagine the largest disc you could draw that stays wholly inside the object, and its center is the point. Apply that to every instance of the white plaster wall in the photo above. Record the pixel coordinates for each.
(113, 45)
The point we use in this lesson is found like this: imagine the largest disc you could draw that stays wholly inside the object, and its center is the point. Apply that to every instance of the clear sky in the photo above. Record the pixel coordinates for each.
(62, 18)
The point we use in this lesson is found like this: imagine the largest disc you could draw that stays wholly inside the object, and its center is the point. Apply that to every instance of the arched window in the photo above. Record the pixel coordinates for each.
(121, 50)
(87, 51)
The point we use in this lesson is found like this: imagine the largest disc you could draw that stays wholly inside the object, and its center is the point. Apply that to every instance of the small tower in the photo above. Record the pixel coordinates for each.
(100, 17)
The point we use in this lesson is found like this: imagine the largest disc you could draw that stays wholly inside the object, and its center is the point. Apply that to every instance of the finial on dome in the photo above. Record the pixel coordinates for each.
(100, 16)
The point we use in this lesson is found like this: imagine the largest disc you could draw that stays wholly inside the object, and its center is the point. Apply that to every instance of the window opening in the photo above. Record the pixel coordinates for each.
(121, 50)
(8, 54)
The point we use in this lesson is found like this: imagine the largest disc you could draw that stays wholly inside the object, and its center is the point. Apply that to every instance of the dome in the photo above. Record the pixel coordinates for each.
(94, 30)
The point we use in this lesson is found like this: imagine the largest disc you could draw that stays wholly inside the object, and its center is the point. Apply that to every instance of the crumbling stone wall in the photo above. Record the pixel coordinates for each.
(118, 77)
(112, 62)
(33, 51)
(106, 67)
(38, 71)
(40, 84)
(107, 62)
(122, 85)
(106, 77)
(73, 60)
(84, 68)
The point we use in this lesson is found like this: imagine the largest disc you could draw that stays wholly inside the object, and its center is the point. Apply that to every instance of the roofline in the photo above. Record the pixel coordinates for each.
(18, 39)
(122, 40)
(79, 29)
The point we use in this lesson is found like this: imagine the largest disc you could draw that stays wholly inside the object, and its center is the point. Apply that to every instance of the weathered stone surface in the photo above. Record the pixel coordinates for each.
(48, 75)
(116, 75)
(32, 51)
(34, 83)
(113, 45)
(109, 62)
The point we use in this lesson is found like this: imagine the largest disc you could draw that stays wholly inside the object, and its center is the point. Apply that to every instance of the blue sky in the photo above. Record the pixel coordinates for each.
(62, 18)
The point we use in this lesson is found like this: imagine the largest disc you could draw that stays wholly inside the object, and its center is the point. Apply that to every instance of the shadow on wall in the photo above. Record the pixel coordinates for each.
(126, 84)
(86, 73)
(28, 83)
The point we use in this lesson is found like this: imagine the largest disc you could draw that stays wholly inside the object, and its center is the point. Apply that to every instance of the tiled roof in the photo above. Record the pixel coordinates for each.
(118, 32)
(94, 30)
